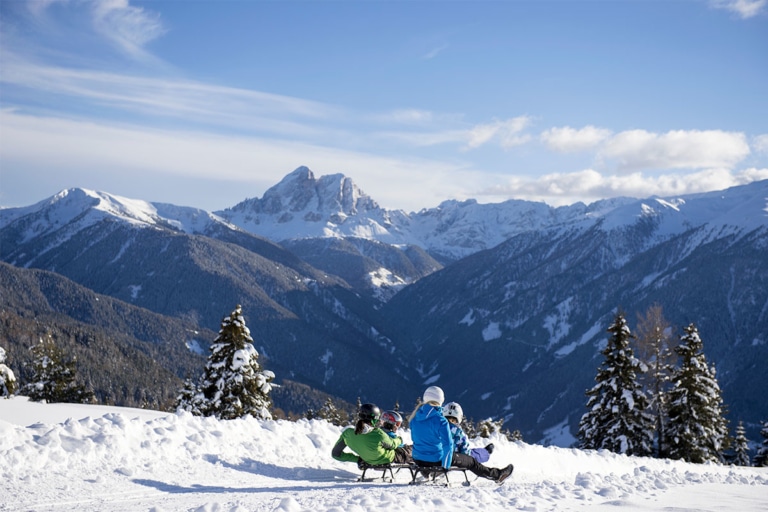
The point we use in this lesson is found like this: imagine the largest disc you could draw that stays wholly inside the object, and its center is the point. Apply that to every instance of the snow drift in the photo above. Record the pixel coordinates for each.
(98, 458)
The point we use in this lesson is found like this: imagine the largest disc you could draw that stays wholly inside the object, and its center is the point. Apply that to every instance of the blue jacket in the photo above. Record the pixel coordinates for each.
(461, 445)
(431, 435)
(460, 440)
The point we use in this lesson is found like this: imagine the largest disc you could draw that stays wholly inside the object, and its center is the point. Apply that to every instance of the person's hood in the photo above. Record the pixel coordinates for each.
(426, 411)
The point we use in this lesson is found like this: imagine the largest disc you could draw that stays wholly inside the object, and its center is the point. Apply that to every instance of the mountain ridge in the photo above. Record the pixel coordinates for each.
(534, 304)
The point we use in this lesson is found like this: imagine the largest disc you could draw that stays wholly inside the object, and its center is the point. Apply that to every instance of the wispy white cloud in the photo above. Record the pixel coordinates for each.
(760, 143)
(408, 116)
(590, 185)
(128, 27)
(507, 133)
(425, 138)
(124, 26)
(434, 52)
(504, 134)
(679, 149)
(744, 9)
(82, 148)
(182, 99)
(566, 139)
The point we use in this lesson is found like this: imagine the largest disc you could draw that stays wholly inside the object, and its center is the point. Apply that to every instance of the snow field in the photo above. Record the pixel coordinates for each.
(129, 460)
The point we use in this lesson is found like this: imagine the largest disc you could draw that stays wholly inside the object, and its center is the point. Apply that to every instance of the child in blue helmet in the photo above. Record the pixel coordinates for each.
(433, 444)
(454, 414)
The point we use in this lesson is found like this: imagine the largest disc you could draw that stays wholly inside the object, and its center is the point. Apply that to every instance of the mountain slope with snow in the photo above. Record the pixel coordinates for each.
(535, 308)
(530, 296)
(106, 459)
(310, 325)
(303, 206)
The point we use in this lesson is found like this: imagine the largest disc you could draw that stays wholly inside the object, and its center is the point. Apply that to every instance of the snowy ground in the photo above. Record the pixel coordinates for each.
(96, 458)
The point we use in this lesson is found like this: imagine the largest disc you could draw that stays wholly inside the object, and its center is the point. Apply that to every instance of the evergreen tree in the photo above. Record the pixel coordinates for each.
(741, 450)
(696, 429)
(331, 413)
(54, 377)
(190, 399)
(654, 350)
(233, 384)
(761, 459)
(7, 378)
(617, 417)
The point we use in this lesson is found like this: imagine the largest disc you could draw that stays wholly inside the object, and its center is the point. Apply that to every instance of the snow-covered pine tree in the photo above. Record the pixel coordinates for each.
(761, 459)
(7, 378)
(332, 414)
(654, 350)
(54, 377)
(189, 399)
(233, 384)
(741, 448)
(696, 429)
(617, 417)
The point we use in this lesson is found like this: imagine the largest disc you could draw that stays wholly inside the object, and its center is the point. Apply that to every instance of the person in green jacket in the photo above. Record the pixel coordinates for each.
(370, 444)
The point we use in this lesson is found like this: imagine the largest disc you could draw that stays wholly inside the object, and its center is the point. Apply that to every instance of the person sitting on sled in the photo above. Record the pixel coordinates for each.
(390, 423)
(433, 443)
(454, 414)
(370, 444)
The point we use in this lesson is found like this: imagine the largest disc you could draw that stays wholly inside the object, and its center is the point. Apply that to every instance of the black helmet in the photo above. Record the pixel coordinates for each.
(369, 413)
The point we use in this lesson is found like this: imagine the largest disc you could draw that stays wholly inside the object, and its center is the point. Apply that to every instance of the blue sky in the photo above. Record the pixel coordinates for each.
(205, 103)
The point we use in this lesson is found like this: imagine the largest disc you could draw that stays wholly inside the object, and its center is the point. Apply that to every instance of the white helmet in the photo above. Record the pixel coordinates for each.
(433, 394)
(453, 410)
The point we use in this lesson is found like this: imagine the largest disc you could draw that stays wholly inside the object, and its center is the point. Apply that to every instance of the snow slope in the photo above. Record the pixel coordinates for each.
(98, 458)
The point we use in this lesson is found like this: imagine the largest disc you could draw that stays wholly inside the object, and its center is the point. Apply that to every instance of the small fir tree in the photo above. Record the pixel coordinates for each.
(741, 449)
(617, 417)
(654, 350)
(331, 413)
(190, 399)
(696, 429)
(7, 378)
(233, 384)
(761, 459)
(54, 378)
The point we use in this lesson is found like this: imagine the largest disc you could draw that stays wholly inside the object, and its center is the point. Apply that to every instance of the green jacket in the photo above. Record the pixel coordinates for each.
(374, 447)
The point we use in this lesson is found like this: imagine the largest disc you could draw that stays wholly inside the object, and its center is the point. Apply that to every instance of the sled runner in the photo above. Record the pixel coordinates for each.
(429, 474)
(385, 469)
(433, 474)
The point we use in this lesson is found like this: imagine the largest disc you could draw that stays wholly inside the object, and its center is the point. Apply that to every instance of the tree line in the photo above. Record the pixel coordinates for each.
(665, 402)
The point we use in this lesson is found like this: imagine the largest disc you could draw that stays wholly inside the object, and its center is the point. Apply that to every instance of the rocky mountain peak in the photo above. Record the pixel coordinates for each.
(301, 192)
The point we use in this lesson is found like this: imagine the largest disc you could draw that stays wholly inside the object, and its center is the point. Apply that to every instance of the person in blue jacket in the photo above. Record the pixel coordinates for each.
(433, 443)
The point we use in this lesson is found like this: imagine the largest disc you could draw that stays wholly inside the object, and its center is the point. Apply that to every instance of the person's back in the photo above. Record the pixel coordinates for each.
(369, 445)
(433, 442)
(430, 432)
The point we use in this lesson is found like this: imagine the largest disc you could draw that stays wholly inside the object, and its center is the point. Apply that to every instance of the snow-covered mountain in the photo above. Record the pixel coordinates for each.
(535, 308)
(527, 288)
(77, 209)
(189, 264)
(302, 206)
